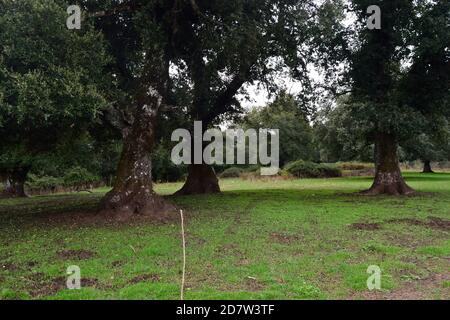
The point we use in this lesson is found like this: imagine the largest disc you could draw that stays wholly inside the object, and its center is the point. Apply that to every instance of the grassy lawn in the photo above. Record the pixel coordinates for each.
(292, 239)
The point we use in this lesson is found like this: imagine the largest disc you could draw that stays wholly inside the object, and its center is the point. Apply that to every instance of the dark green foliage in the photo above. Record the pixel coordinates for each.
(286, 115)
(307, 169)
(53, 80)
(96, 156)
(43, 183)
(164, 170)
(78, 177)
(233, 172)
(338, 137)
(400, 74)
(426, 148)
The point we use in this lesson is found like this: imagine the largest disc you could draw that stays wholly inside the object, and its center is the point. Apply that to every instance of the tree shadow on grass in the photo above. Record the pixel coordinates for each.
(77, 209)
(71, 210)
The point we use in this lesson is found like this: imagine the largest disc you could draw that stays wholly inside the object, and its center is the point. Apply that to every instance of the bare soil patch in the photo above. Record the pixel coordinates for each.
(283, 238)
(144, 278)
(40, 285)
(414, 290)
(252, 284)
(365, 226)
(8, 266)
(432, 222)
(117, 264)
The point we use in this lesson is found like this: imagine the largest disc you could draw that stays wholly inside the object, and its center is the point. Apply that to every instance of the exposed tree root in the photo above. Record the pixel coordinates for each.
(123, 206)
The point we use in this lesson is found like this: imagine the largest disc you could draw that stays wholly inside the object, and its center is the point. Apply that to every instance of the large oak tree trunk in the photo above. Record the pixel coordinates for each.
(15, 185)
(388, 177)
(427, 167)
(132, 193)
(201, 179)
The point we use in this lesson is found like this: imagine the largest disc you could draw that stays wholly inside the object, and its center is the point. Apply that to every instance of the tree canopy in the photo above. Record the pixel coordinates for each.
(53, 81)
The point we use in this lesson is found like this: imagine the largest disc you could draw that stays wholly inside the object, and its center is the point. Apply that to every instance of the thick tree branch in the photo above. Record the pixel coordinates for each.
(226, 97)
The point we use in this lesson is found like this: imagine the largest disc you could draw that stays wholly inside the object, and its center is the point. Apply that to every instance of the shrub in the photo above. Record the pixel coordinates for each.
(78, 177)
(306, 169)
(354, 165)
(43, 183)
(233, 172)
(163, 169)
(302, 169)
(329, 171)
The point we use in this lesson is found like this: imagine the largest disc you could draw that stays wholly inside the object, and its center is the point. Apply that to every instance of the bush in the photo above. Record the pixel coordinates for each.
(43, 183)
(233, 172)
(354, 165)
(329, 171)
(163, 169)
(73, 180)
(302, 169)
(79, 177)
(306, 169)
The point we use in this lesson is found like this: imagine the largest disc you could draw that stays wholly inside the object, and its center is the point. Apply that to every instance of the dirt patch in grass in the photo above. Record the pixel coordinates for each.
(283, 238)
(90, 282)
(438, 223)
(40, 285)
(366, 226)
(8, 266)
(117, 264)
(227, 249)
(414, 290)
(145, 278)
(252, 284)
(243, 262)
(432, 222)
(76, 254)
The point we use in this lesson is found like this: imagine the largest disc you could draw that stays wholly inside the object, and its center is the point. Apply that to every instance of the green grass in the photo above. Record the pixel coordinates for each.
(257, 240)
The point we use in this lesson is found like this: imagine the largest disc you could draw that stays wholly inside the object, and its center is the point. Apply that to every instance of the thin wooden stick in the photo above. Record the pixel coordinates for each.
(184, 255)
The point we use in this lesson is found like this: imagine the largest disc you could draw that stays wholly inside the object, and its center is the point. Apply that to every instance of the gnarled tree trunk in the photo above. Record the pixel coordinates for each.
(201, 179)
(427, 167)
(388, 177)
(132, 193)
(15, 184)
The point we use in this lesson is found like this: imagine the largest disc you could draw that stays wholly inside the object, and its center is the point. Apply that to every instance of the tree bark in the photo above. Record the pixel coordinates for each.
(132, 193)
(427, 167)
(15, 185)
(201, 179)
(388, 177)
